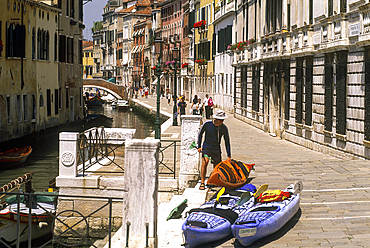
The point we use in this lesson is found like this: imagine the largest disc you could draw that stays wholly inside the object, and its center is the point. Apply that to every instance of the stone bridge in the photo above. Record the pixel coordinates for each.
(118, 91)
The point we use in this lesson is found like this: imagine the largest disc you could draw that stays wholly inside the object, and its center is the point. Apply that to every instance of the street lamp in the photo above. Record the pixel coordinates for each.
(158, 46)
(176, 58)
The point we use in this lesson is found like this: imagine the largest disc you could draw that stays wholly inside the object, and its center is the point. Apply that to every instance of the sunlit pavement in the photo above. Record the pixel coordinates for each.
(334, 209)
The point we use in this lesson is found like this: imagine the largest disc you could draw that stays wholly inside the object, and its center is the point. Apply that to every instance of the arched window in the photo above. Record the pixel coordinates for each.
(55, 47)
(38, 44)
(42, 44)
(47, 45)
(34, 109)
(33, 44)
(10, 40)
(41, 103)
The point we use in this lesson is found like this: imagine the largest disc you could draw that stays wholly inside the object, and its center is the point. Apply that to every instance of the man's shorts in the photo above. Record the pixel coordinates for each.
(215, 155)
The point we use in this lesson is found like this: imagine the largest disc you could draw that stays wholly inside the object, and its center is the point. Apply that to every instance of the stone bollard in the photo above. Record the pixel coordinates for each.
(140, 208)
(68, 154)
(189, 159)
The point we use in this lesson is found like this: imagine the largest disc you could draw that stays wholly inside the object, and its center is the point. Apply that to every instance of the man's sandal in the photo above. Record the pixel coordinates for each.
(202, 186)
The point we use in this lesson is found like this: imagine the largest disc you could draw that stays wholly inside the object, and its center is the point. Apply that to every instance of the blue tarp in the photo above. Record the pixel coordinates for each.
(112, 80)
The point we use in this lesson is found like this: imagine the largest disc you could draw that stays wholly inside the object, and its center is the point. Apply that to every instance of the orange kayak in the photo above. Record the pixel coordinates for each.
(230, 175)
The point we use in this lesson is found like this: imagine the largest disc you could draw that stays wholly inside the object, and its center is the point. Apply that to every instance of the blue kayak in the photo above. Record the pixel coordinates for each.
(264, 219)
(210, 223)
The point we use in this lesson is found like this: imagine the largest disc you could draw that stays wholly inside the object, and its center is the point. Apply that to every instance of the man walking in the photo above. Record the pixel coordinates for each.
(214, 130)
(206, 107)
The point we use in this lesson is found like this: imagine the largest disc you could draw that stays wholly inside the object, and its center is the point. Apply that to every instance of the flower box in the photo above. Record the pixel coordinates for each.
(200, 24)
(201, 61)
(184, 65)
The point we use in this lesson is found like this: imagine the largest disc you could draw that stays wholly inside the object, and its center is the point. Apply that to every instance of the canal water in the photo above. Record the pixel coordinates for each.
(43, 160)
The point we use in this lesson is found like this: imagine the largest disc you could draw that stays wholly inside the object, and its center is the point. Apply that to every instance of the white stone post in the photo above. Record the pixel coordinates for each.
(68, 154)
(141, 182)
(189, 158)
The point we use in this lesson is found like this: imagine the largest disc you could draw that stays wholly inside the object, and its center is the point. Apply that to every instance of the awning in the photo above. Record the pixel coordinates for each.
(134, 49)
(134, 34)
(141, 31)
(140, 48)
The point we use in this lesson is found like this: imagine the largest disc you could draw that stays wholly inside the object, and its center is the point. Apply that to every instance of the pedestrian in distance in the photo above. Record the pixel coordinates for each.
(210, 105)
(206, 107)
(168, 95)
(181, 106)
(213, 131)
(194, 105)
(200, 107)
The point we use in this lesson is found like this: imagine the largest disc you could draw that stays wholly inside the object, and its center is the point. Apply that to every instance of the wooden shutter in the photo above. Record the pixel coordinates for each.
(328, 91)
(341, 92)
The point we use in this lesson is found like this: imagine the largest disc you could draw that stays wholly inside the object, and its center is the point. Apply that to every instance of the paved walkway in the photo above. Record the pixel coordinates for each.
(334, 209)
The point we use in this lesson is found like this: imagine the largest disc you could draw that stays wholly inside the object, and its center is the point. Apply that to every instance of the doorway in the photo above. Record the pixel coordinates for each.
(71, 110)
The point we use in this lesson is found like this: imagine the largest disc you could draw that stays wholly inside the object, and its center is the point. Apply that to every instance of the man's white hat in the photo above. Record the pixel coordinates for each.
(220, 115)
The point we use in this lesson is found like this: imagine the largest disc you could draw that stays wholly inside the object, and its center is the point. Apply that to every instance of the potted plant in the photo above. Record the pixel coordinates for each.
(200, 24)
(184, 65)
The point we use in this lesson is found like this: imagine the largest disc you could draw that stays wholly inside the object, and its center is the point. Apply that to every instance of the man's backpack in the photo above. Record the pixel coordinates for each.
(210, 102)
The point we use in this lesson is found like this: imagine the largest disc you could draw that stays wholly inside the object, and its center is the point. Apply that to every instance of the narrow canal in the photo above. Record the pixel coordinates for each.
(44, 158)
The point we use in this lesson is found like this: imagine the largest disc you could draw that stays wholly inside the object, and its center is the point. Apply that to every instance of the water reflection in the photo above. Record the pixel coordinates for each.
(44, 158)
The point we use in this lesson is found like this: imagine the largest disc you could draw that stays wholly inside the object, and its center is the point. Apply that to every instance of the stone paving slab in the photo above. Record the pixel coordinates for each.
(334, 208)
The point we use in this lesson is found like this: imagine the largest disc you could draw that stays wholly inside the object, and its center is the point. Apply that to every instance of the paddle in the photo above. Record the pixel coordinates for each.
(259, 191)
(220, 193)
(243, 199)
(194, 145)
(177, 211)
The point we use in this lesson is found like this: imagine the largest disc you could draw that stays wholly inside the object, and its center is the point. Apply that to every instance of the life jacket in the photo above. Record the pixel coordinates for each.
(273, 196)
(230, 175)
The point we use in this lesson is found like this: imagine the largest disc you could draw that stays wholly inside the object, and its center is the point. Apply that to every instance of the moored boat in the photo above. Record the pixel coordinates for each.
(268, 217)
(120, 104)
(95, 101)
(15, 156)
(212, 221)
(42, 211)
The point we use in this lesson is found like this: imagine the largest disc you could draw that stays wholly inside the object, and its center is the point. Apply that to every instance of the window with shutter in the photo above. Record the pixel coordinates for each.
(367, 94)
(328, 91)
(308, 91)
(287, 88)
(341, 92)
(299, 90)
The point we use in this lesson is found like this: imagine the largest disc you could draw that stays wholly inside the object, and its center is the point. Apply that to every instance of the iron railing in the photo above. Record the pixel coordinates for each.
(95, 147)
(168, 157)
(69, 221)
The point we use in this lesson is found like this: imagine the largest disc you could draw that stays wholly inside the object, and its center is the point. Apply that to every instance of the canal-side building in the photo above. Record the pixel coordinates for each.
(28, 71)
(68, 99)
(139, 70)
(224, 21)
(37, 89)
(97, 54)
(88, 59)
(305, 78)
(139, 12)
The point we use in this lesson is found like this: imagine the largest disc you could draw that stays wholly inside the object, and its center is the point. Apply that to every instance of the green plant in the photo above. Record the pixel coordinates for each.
(98, 26)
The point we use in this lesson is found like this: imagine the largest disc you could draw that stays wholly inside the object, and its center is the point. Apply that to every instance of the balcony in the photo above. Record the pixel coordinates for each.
(226, 9)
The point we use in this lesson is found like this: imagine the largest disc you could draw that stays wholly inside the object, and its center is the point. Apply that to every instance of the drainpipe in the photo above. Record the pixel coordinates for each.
(22, 70)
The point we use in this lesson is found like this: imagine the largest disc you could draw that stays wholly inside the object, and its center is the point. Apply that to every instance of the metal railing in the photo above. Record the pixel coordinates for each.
(168, 154)
(95, 147)
(58, 227)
